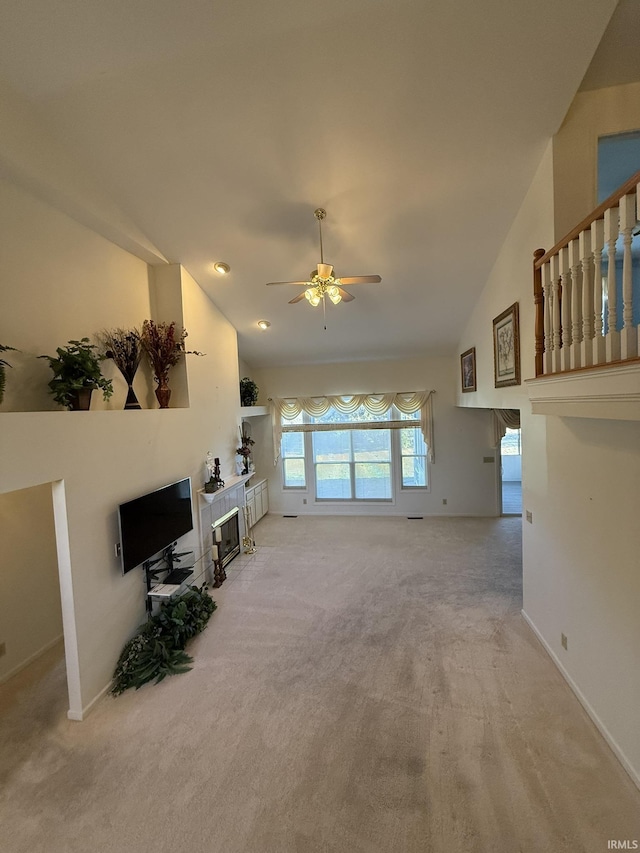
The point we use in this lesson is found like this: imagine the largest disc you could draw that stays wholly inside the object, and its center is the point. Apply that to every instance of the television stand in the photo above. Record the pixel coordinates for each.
(174, 576)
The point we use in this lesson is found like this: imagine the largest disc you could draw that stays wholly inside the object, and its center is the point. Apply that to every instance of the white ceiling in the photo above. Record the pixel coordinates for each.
(216, 129)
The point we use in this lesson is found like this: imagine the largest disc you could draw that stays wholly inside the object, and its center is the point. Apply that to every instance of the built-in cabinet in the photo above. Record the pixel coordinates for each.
(257, 500)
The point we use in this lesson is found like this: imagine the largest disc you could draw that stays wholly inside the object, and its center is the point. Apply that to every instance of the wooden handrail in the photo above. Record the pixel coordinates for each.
(598, 213)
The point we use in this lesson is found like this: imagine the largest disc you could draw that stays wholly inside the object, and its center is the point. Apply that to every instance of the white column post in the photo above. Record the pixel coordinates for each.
(565, 294)
(629, 334)
(557, 320)
(597, 244)
(548, 318)
(586, 345)
(576, 303)
(610, 236)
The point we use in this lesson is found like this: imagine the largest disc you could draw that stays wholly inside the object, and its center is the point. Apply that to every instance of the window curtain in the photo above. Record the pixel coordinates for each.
(378, 404)
(503, 419)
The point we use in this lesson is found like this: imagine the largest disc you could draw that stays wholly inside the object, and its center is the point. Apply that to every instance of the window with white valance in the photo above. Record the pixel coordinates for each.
(328, 443)
(408, 403)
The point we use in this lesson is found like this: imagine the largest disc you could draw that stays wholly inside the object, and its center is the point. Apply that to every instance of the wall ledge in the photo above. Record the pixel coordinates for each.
(610, 392)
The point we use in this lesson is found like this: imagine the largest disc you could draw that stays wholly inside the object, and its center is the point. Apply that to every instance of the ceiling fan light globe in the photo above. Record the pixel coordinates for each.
(312, 296)
(334, 294)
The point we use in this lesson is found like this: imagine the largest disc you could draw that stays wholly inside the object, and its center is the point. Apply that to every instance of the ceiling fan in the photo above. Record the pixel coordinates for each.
(322, 282)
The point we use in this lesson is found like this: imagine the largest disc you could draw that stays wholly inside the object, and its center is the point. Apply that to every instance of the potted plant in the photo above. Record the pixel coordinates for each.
(248, 392)
(164, 345)
(4, 364)
(76, 373)
(124, 347)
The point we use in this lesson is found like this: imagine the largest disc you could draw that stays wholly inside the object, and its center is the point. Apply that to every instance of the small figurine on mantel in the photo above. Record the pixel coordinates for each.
(214, 480)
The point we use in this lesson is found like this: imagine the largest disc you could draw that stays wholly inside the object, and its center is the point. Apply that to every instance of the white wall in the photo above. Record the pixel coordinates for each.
(58, 281)
(30, 613)
(580, 554)
(461, 438)
(592, 114)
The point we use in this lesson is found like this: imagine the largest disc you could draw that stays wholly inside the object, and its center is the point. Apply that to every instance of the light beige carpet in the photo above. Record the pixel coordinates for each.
(366, 686)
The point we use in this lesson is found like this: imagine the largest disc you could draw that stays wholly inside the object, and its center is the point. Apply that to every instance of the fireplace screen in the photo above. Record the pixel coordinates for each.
(226, 536)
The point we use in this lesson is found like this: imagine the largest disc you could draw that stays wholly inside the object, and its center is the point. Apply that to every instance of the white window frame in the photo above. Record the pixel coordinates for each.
(307, 427)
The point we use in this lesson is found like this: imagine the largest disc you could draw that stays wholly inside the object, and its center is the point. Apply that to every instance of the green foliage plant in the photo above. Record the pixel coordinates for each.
(248, 392)
(76, 367)
(4, 364)
(157, 648)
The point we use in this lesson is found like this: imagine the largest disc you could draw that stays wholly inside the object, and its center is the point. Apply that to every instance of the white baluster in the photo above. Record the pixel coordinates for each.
(586, 345)
(576, 303)
(629, 334)
(557, 320)
(610, 236)
(597, 244)
(548, 318)
(565, 295)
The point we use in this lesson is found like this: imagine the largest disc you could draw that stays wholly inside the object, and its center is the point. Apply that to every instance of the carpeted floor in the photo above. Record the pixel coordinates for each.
(367, 685)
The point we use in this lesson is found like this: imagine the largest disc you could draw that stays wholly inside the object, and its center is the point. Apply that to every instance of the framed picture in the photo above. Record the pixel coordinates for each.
(468, 369)
(506, 347)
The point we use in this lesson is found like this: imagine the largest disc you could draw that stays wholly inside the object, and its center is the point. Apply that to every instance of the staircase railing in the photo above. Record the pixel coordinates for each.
(587, 289)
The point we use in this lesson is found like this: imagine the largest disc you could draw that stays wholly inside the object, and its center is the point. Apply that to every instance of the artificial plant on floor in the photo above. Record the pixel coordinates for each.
(157, 648)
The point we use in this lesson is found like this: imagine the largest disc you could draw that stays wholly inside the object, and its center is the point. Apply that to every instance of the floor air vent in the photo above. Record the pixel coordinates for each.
(415, 518)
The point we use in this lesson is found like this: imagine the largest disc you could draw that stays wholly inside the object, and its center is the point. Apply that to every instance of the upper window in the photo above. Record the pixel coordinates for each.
(360, 459)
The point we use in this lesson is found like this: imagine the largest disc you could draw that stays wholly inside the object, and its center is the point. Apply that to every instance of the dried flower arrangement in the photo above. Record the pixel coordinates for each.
(124, 347)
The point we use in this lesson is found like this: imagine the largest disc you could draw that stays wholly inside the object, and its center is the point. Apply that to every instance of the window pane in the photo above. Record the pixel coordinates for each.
(371, 445)
(333, 481)
(292, 444)
(414, 471)
(332, 446)
(412, 442)
(373, 480)
(293, 472)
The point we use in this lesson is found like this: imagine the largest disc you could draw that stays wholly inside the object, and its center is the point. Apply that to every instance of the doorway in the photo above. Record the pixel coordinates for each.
(511, 472)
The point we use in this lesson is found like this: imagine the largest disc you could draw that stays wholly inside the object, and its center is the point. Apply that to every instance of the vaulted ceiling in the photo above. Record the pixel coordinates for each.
(200, 131)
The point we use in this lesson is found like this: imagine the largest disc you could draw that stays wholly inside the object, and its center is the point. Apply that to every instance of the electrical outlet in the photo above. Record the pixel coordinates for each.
(444, 501)
(529, 517)
(564, 641)
(304, 500)
(3, 649)
(488, 459)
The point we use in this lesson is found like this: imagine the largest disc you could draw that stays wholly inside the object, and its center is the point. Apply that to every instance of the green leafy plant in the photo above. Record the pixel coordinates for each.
(157, 648)
(4, 364)
(248, 392)
(76, 367)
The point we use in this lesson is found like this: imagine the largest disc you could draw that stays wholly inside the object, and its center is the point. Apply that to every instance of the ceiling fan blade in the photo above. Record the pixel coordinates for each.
(299, 283)
(346, 297)
(296, 298)
(360, 279)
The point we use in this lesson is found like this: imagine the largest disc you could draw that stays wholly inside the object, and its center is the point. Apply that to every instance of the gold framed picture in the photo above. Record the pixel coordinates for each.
(506, 347)
(468, 370)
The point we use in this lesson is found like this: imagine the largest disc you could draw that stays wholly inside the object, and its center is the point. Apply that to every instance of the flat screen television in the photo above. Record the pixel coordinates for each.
(152, 522)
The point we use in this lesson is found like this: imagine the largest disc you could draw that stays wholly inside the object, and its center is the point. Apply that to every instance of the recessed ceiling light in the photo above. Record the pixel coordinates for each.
(221, 267)
(263, 324)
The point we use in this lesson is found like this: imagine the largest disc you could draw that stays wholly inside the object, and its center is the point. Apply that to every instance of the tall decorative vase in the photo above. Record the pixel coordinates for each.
(163, 394)
(131, 401)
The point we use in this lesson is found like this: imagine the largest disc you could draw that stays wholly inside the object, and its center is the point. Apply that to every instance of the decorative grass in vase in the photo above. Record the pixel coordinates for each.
(124, 347)
(164, 345)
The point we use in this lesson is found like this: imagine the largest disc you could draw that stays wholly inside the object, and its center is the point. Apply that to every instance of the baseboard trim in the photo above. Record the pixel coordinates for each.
(78, 716)
(619, 754)
(31, 659)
